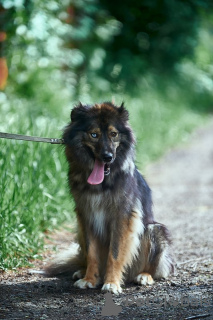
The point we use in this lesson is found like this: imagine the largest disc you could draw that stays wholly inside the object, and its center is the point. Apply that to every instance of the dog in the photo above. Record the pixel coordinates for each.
(118, 238)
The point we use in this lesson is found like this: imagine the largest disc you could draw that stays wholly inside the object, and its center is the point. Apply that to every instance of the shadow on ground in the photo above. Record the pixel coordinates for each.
(58, 299)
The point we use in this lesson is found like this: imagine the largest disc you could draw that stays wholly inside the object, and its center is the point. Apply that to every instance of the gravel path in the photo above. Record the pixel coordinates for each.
(182, 184)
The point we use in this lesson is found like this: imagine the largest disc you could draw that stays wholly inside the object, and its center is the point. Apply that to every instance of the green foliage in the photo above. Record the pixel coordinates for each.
(115, 43)
(34, 196)
(122, 41)
(158, 32)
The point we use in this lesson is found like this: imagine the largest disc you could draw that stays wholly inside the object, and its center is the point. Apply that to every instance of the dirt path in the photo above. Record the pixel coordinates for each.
(182, 184)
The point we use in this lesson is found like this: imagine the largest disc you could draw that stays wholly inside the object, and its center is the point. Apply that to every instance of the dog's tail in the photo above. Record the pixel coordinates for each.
(66, 263)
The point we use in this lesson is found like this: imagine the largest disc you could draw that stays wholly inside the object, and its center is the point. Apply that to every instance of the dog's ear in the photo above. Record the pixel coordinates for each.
(78, 112)
(124, 114)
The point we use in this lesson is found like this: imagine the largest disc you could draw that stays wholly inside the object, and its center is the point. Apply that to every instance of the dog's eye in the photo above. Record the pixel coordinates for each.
(94, 135)
(114, 134)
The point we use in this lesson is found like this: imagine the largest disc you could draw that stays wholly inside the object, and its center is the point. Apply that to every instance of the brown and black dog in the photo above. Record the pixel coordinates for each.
(118, 238)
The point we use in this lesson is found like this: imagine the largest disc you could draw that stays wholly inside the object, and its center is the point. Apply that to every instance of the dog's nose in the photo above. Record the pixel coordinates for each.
(107, 156)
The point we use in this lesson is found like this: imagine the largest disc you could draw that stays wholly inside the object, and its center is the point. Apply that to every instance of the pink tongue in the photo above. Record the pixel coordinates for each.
(97, 175)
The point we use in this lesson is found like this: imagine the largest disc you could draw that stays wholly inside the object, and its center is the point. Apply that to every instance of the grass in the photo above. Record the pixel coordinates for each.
(34, 197)
(33, 191)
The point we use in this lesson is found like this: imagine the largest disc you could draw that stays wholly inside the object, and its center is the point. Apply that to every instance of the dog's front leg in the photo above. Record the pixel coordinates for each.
(124, 244)
(113, 273)
(116, 259)
(91, 279)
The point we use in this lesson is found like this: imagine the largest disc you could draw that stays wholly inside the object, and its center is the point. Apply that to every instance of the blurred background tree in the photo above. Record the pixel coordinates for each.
(108, 45)
(130, 38)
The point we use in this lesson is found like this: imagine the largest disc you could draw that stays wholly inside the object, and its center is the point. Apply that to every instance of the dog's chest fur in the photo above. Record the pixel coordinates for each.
(97, 216)
(96, 211)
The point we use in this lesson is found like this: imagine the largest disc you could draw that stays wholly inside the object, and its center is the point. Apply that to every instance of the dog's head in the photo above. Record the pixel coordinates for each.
(102, 135)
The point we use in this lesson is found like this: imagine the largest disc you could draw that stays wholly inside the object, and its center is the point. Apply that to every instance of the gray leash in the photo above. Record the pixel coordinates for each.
(30, 138)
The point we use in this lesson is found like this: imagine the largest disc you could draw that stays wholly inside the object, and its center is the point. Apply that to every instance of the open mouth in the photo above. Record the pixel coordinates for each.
(106, 169)
(100, 170)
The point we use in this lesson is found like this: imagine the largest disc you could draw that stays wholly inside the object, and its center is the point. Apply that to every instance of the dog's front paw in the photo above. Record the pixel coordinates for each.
(83, 284)
(112, 287)
(144, 279)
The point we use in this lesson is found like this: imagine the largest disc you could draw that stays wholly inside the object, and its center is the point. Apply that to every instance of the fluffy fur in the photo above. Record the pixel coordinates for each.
(118, 238)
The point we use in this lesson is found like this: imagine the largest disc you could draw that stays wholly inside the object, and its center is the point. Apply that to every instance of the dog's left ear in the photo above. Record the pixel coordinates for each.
(78, 113)
(123, 112)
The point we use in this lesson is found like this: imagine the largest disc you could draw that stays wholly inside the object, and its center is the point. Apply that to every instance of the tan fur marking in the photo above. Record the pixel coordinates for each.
(92, 272)
(114, 269)
(108, 107)
(98, 106)
(116, 139)
(129, 244)
(112, 129)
